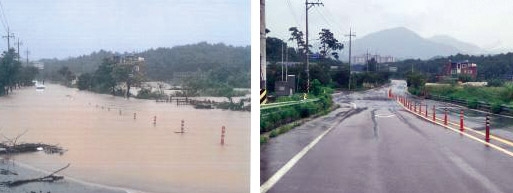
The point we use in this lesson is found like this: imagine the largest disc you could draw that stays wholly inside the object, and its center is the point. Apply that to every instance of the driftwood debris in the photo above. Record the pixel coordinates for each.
(30, 147)
(49, 178)
(11, 146)
(7, 172)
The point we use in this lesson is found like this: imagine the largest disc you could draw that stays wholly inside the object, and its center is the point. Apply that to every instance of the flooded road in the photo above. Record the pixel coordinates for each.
(107, 146)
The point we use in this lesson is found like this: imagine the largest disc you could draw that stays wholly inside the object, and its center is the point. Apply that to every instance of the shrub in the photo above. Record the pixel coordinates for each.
(273, 133)
(496, 107)
(495, 83)
(264, 125)
(263, 139)
(472, 103)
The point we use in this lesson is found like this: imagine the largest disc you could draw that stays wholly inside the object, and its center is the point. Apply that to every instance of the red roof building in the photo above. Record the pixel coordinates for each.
(461, 67)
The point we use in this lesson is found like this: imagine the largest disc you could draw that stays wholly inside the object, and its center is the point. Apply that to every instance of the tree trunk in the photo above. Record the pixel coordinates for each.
(127, 94)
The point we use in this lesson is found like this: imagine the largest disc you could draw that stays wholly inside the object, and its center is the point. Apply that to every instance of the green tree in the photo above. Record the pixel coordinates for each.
(127, 75)
(27, 75)
(9, 70)
(102, 78)
(297, 36)
(329, 44)
(67, 75)
(84, 81)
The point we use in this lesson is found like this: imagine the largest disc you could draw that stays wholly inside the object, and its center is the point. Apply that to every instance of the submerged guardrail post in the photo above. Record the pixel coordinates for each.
(445, 116)
(415, 107)
(154, 120)
(223, 131)
(461, 120)
(182, 128)
(434, 113)
(420, 108)
(426, 110)
(487, 136)
(135, 116)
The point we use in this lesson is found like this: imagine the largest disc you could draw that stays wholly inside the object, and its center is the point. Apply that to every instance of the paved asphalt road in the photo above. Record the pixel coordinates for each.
(379, 147)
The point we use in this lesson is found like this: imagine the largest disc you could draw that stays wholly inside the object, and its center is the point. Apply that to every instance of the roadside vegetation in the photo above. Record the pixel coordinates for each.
(13, 75)
(493, 96)
(498, 93)
(327, 73)
(282, 119)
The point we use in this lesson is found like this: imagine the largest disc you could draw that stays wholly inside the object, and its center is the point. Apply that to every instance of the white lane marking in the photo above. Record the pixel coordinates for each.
(283, 170)
(471, 171)
(385, 115)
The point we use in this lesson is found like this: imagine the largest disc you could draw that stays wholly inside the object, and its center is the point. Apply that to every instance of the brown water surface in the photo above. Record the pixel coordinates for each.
(107, 146)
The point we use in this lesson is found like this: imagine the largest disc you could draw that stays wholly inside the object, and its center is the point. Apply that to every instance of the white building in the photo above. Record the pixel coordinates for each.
(362, 59)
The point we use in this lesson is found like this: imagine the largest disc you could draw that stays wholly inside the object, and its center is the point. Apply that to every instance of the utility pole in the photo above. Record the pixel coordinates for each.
(287, 62)
(9, 36)
(19, 43)
(282, 61)
(350, 36)
(27, 52)
(308, 5)
(367, 59)
(377, 62)
(262, 46)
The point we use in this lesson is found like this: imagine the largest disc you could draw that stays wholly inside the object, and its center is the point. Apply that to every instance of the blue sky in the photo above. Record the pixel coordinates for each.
(64, 28)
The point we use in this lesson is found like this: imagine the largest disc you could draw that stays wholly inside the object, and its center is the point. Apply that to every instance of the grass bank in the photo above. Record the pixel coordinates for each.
(279, 120)
(494, 97)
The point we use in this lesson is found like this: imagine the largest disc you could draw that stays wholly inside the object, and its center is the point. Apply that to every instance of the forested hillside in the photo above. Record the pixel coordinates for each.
(229, 63)
(489, 67)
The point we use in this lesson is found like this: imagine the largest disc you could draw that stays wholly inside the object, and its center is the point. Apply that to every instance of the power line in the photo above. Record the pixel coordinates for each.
(289, 5)
(334, 26)
(5, 23)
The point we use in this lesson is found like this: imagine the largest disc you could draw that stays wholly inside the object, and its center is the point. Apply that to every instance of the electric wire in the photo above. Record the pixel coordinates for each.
(5, 23)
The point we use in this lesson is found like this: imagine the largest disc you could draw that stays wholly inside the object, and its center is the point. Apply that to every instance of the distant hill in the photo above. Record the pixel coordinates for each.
(161, 63)
(463, 47)
(403, 43)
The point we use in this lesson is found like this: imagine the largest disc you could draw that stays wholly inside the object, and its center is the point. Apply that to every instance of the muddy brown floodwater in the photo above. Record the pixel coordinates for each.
(111, 148)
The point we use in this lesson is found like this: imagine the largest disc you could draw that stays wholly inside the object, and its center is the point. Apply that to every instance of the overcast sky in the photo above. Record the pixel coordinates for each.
(485, 23)
(63, 28)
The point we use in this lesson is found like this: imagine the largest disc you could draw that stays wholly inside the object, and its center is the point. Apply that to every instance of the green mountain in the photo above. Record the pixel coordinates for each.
(162, 63)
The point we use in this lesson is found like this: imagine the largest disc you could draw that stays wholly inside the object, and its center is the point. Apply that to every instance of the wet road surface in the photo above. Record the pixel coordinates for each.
(380, 147)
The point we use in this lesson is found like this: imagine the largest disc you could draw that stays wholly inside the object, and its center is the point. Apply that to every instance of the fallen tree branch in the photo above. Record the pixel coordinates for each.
(30, 147)
(49, 178)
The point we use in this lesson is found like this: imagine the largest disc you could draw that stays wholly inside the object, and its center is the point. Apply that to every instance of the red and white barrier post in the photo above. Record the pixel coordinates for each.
(154, 120)
(426, 110)
(135, 116)
(487, 136)
(434, 113)
(181, 128)
(445, 116)
(223, 131)
(461, 120)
